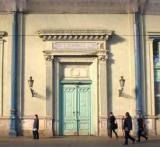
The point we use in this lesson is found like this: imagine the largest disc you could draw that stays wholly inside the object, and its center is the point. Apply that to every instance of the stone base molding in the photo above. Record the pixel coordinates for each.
(46, 126)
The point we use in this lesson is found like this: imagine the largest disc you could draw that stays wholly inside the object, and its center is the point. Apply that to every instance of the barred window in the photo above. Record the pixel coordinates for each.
(156, 58)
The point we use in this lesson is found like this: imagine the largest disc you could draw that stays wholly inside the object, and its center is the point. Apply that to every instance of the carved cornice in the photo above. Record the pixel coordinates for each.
(2, 34)
(81, 6)
(71, 35)
(153, 35)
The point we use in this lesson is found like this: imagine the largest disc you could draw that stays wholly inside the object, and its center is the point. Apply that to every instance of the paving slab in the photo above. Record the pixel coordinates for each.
(72, 141)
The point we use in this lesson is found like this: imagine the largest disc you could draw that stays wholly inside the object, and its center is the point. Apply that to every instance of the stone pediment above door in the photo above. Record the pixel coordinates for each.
(75, 42)
(72, 35)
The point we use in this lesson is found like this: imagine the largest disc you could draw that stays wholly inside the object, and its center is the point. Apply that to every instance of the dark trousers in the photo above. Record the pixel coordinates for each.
(36, 134)
(128, 136)
(140, 133)
(113, 130)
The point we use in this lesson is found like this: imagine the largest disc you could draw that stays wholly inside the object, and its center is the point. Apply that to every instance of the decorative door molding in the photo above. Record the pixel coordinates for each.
(72, 47)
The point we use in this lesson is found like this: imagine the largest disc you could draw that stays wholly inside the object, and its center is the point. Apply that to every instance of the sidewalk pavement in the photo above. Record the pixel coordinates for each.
(75, 141)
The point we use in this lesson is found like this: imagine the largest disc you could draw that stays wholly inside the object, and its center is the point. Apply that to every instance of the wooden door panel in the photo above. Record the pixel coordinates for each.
(76, 109)
(84, 109)
(69, 109)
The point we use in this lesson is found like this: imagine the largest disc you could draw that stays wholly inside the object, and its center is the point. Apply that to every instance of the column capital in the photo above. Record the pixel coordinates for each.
(102, 55)
(2, 34)
(49, 57)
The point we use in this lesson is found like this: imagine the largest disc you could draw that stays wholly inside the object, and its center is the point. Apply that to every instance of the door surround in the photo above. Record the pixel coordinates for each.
(83, 47)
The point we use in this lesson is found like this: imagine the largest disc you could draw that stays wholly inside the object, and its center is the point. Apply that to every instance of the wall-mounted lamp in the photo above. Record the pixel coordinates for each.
(122, 83)
(30, 83)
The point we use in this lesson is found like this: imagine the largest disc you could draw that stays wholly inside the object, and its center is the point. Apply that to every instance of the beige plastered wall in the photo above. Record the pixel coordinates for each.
(6, 25)
(5, 69)
(121, 48)
(122, 61)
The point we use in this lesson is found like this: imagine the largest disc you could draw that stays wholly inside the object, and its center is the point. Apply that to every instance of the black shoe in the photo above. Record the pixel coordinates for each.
(137, 141)
(146, 138)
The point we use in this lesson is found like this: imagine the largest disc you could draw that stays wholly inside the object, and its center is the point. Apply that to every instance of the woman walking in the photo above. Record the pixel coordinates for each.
(113, 125)
(141, 127)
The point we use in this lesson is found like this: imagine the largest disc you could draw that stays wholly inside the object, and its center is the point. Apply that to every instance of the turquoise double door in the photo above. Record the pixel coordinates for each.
(75, 114)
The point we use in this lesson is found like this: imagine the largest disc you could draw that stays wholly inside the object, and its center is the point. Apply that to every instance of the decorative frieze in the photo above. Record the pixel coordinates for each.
(76, 71)
(74, 35)
(76, 45)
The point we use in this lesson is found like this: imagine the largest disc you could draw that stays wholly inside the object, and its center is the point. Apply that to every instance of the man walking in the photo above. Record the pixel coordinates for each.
(127, 127)
(36, 127)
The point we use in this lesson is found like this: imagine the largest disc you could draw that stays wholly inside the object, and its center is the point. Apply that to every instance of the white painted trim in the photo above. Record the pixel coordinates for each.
(92, 62)
(1, 75)
(150, 71)
(150, 77)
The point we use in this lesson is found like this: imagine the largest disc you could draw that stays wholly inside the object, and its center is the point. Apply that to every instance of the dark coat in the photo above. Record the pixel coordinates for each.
(127, 123)
(112, 121)
(36, 123)
(140, 123)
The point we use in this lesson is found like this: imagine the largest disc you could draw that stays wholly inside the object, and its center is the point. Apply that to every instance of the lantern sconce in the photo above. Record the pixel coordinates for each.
(30, 83)
(122, 83)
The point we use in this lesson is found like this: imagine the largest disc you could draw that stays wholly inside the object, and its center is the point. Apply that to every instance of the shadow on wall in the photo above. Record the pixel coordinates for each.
(37, 95)
(125, 95)
(114, 40)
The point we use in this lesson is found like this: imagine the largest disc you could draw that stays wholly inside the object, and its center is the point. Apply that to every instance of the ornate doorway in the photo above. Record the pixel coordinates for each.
(77, 56)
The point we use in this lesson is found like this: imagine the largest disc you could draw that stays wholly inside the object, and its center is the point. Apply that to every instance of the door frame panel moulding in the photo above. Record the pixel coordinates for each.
(92, 64)
(150, 70)
(86, 46)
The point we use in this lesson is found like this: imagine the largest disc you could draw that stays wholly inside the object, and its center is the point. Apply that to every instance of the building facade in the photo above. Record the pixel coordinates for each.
(73, 62)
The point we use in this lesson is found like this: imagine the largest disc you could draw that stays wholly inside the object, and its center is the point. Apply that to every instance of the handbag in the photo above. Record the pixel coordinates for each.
(115, 125)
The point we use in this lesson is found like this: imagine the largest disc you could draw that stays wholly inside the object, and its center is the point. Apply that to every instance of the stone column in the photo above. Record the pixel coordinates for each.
(102, 83)
(138, 62)
(14, 62)
(49, 96)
